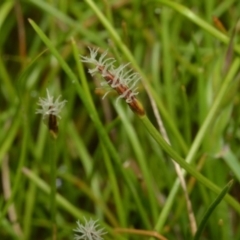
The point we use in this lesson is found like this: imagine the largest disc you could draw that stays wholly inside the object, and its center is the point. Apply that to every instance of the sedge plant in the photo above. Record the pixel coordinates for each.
(126, 69)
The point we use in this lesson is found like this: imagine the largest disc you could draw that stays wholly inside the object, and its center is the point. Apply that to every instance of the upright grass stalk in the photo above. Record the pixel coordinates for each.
(21, 161)
(11, 134)
(17, 178)
(50, 111)
(30, 202)
(53, 173)
(142, 160)
(167, 63)
(113, 180)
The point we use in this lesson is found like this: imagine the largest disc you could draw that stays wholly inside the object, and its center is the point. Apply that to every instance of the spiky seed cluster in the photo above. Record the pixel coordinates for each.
(50, 111)
(88, 231)
(124, 82)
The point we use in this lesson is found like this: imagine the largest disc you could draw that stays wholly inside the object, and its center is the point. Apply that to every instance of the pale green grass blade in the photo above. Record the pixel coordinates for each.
(232, 162)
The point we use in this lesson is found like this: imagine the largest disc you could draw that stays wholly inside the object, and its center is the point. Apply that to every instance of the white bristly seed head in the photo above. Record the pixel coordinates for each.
(88, 231)
(120, 77)
(122, 80)
(50, 107)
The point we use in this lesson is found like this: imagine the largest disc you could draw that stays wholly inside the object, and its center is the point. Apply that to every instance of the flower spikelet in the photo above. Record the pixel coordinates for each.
(124, 82)
(88, 231)
(50, 111)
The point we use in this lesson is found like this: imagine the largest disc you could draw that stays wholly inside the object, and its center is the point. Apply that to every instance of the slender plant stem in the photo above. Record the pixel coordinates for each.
(142, 160)
(11, 134)
(53, 173)
(17, 180)
(31, 196)
(113, 180)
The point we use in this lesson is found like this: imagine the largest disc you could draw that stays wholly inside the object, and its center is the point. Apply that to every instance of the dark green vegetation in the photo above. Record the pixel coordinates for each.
(109, 163)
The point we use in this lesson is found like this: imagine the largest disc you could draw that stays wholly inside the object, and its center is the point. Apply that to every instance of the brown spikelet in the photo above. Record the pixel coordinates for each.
(124, 82)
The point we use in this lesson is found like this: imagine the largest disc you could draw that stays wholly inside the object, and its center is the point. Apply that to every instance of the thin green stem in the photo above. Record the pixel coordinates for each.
(11, 134)
(11, 93)
(17, 179)
(53, 174)
(167, 62)
(142, 160)
(212, 112)
(115, 188)
(30, 201)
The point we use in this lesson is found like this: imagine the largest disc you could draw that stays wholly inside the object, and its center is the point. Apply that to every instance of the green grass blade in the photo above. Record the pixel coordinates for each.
(211, 209)
(232, 162)
(199, 21)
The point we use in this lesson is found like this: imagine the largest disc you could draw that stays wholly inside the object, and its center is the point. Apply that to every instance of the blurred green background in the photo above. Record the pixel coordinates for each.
(184, 50)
